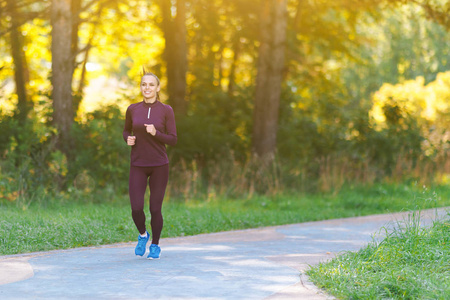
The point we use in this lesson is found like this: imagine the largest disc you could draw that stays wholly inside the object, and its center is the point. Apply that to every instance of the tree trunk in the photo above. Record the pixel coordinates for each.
(79, 93)
(175, 52)
(62, 71)
(232, 77)
(75, 8)
(18, 56)
(269, 78)
(82, 82)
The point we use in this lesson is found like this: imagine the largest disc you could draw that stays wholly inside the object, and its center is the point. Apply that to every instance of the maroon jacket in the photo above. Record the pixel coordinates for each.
(149, 150)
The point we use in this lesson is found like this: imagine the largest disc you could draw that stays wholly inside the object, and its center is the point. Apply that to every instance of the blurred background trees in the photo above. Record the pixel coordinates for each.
(269, 95)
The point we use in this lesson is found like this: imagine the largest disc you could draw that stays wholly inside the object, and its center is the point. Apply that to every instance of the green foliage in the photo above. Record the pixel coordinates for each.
(30, 165)
(207, 140)
(216, 126)
(101, 155)
(338, 55)
(411, 262)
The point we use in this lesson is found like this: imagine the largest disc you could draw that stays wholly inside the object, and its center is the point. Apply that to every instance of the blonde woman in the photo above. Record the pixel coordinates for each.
(149, 126)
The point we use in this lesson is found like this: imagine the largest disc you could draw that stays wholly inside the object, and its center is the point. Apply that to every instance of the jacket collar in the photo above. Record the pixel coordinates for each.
(149, 104)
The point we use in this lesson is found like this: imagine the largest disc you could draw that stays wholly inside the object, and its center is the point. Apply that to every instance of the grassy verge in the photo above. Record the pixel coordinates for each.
(64, 223)
(412, 262)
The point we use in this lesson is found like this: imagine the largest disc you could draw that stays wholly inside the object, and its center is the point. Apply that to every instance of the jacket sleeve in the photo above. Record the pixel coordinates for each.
(170, 136)
(128, 128)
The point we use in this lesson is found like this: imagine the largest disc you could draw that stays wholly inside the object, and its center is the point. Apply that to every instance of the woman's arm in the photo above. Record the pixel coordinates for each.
(128, 128)
(170, 136)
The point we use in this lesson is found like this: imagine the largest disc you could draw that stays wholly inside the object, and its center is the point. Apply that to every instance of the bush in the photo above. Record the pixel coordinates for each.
(101, 155)
(30, 165)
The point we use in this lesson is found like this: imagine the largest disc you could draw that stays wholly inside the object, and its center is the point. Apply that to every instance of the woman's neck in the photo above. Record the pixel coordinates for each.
(150, 101)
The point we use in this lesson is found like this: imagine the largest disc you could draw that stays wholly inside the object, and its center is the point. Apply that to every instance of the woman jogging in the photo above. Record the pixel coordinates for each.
(149, 125)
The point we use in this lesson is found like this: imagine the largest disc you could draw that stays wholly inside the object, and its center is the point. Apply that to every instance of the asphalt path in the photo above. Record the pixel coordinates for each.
(262, 263)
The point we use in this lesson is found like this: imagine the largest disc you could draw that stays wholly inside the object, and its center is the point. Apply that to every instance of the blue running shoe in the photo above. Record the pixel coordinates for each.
(142, 243)
(155, 252)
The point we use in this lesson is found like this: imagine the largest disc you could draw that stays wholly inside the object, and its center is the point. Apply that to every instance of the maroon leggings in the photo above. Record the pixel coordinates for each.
(157, 182)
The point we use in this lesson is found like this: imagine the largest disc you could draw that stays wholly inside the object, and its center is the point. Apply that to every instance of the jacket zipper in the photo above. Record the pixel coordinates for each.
(148, 115)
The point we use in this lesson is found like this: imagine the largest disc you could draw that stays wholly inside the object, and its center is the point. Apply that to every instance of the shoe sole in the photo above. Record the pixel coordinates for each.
(154, 257)
(140, 254)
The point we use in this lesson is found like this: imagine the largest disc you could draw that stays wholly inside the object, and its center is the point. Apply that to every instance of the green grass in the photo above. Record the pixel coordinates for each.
(412, 262)
(66, 223)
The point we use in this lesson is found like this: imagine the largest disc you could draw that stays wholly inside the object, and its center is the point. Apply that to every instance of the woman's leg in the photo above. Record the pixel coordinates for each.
(137, 186)
(157, 183)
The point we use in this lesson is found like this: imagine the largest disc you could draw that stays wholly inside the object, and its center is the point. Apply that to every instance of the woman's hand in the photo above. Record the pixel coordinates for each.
(131, 140)
(150, 129)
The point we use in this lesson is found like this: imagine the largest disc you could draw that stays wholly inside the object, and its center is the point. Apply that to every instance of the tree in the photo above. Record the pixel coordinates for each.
(65, 25)
(269, 78)
(94, 19)
(174, 29)
(62, 71)
(435, 10)
(18, 56)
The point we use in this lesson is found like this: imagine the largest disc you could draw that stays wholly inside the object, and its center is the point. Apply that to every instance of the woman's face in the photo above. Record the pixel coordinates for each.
(149, 87)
